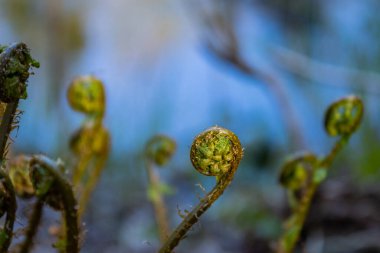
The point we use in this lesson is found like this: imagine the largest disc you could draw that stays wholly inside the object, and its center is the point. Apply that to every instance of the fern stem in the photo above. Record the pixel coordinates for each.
(6, 127)
(10, 198)
(194, 216)
(80, 168)
(11, 204)
(214, 152)
(34, 221)
(158, 203)
(90, 185)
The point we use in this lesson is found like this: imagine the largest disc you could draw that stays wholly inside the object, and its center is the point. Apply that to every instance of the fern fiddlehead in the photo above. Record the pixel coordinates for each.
(158, 151)
(19, 175)
(215, 152)
(86, 95)
(305, 173)
(342, 119)
(56, 191)
(15, 63)
(91, 143)
(296, 174)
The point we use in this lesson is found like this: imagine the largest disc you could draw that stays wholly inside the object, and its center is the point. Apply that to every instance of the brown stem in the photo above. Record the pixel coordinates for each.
(11, 205)
(6, 126)
(34, 221)
(6, 232)
(196, 213)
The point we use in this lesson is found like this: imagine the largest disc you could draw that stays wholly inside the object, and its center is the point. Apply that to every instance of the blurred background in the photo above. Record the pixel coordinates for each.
(266, 70)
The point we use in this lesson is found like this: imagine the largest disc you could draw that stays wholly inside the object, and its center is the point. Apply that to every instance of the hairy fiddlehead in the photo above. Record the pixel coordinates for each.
(56, 191)
(158, 152)
(215, 152)
(91, 142)
(304, 173)
(15, 63)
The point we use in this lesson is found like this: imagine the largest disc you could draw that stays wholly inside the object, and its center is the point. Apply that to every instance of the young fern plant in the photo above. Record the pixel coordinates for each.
(302, 174)
(40, 177)
(159, 150)
(91, 143)
(215, 152)
(15, 64)
(54, 190)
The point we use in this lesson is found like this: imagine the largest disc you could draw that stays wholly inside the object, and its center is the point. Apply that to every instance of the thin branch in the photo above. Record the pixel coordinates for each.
(221, 39)
(326, 73)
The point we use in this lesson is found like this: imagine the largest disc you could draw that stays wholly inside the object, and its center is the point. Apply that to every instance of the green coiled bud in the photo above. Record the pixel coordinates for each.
(160, 149)
(45, 185)
(216, 152)
(90, 139)
(53, 189)
(343, 117)
(297, 170)
(86, 94)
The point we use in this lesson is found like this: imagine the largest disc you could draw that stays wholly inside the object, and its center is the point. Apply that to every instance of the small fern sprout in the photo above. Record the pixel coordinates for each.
(91, 138)
(99, 145)
(159, 150)
(15, 64)
(215, 152)
(296, 171)
(343, 117)
(91, 143)
(56, 192)
(8, 207)
(86, 95)
(297, 177)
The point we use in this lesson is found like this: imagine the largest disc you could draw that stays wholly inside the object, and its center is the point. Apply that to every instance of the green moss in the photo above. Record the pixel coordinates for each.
(15, 63)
